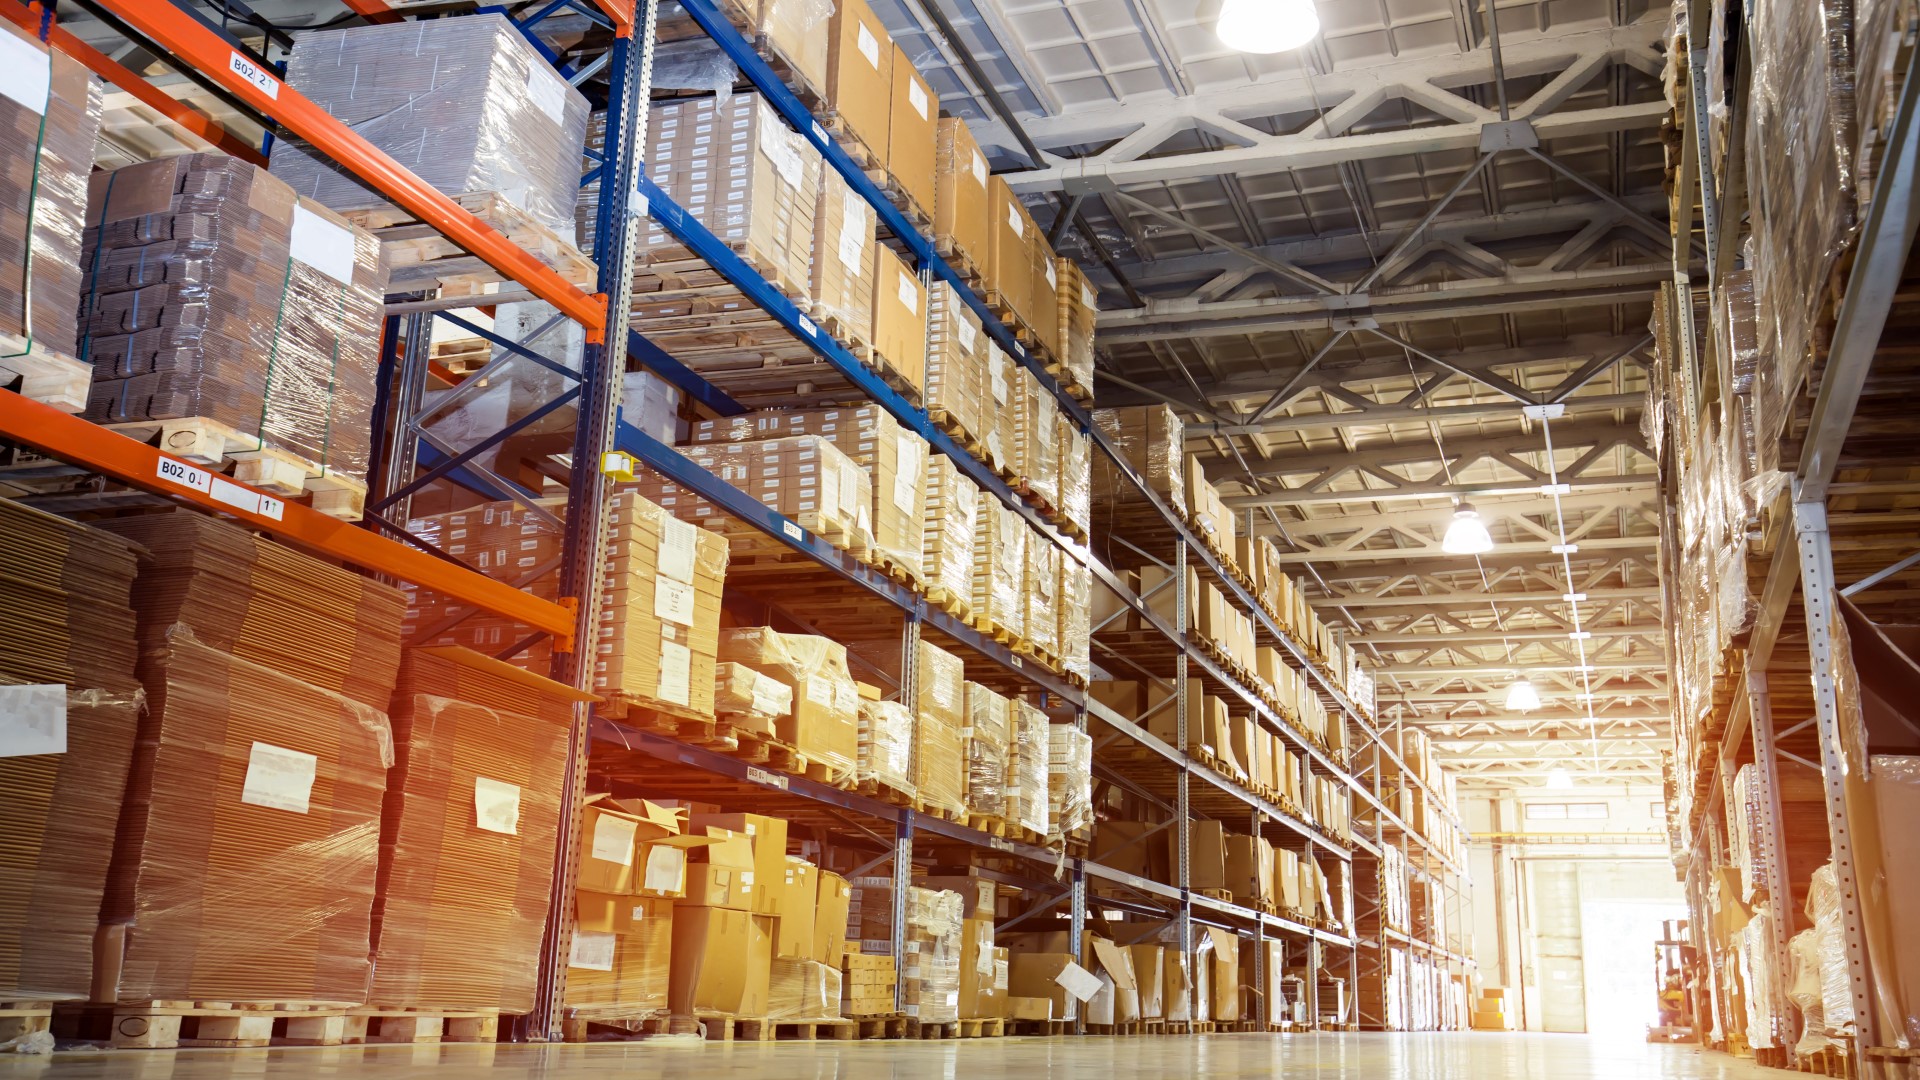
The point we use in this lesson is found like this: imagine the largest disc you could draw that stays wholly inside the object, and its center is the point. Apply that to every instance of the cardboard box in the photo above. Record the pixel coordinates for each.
(1119, 845)
(979, 995)
(831, 899)
(1054, 977)
(1008, 270)
(798, 902)
(1116, 965)
(609, 842)
(913, 123)
(722, 962)
(899, 317)
(623, 973)
(1045, 313)
(1029, 1008)
(722, 874)
(860, 75)
(1176, 971)
(1249, 869)
(1206, 854)
(1149, 977)
(977, 894)
(960, 204)
(768, 836)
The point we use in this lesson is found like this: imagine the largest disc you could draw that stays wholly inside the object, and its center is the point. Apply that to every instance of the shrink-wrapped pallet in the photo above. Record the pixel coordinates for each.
(989, 753)
(997, 402)
(841, 282)
(952, 517)
(825, 721)
(1152, 440)
(1076, 474)
(659, 624)
(886, 745)
(940, 715)
(956, 386)
(1075, 610)
(1036, 447)
(507, 542)
(1040, 591)
(999, 560)
(930, 975)
(805, 477)
(1069, 783)
(1077, 305)
(468, 105)
(51, 117)
(750, 700)
(803, 990)
(960, 203)
(1028, 798)
(212, 291)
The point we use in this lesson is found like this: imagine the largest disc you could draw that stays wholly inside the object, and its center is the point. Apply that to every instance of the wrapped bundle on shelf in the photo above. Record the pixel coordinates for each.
(956, 387)
(67, 651)
(886, 745)
(999, 560)
(214, 292)
(749, 700)
(632, 866)
(245, 862)
(940, 755)
(55, 110)
(468, 105)
(1076, 474)
(1029, 801)
(1040, 587)
(660, 622)
(960, 196)
(989, 754)
(952, 515)
(1152, 440)
(997, 400)
(894, 459)
(795, 31)
(804, 477)
(803, 990)
(931, 974)
(468, 834)
(841, 284)
(1008, 275)
(825, 722)
(1077, 304)
(1069, 783)
(1036, 447)
(859, 88)
(1075, 648)
(913, 119)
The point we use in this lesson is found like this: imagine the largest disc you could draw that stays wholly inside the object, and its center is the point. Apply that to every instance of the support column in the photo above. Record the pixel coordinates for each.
(1183, 923)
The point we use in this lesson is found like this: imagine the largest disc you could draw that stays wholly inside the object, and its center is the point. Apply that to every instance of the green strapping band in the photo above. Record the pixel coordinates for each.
(33, 202)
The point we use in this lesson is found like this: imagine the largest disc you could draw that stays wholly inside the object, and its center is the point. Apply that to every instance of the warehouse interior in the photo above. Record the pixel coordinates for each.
(1289, 537)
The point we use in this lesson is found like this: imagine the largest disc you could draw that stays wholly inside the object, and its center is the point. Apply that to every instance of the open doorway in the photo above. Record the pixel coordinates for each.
(1618, 970)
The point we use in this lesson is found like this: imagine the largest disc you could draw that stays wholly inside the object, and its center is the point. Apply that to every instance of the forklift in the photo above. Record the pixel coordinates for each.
(1674, 959)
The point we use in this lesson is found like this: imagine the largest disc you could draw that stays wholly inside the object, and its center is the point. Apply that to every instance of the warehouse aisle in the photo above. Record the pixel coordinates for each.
(1220, 1057)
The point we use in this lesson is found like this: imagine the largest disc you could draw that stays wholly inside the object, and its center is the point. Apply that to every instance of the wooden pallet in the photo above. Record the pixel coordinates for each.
(596, 1025)
(961, 262)
(1040, 1027)
(749, 744)
(167, 1025)
(46, 375)
(380, 1025)
(955, 604)
(718, 1027)
(1130, 1027)
(983, 1028)
(421, 259)
(991, 824)
(221, 447)
(917, 1029)
(20, 1018)
(838, 1029)
(855, 147)
(880, 1026)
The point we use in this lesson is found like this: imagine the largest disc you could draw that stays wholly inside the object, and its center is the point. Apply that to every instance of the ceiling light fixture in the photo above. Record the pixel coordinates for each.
(1559, 779)
(1467, 535)
(1267, 26)
(1522, 696)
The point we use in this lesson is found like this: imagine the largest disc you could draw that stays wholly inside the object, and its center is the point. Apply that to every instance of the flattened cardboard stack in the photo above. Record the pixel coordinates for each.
(952, 513)
(43, 203)
(244, 866)
(1075, 604)
(940, 756)
(66, 627)
(1076, 475)
(468, 834)
(214, 292)
(660, 626)
(503, 541)
(1077, 304)
(1036, 446)
(466, 104)
(930, 971)
(1040, 591)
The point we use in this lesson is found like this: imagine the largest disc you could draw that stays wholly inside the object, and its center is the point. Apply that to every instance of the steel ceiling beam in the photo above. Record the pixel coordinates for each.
(1461, 451)
(1479, 598)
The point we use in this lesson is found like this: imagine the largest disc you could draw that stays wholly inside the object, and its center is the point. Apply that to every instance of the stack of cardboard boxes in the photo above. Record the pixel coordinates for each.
(1029, 784)
(633, 864)
(824, 721)
(930, 974)
(940, 756)
(804, 477)
(953, 511)
(660, 620)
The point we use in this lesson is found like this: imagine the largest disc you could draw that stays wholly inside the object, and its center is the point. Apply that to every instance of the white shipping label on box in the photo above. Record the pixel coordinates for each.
(1053, 277)
(1015, 221)
(26, 73)
(593, 950)
(963, 329)
(868, 44)
(917, 97)
(323, 245)
(676, 673)
(548, 91)
(1078, 982)
(678, 545)
(673, 601)
(775, 143)
(496, 806)
(906, 473)
(909, 292)
(33, 719)
(279, 778)
(855, 233)
(997, 368)
(613, 839)
(979, 169)
(666, 870)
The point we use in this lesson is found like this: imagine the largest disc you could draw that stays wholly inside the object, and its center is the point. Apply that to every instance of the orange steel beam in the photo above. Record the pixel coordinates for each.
(621, 12)
(79, 442)
(372, 10)
(178, 32)
(199, 124)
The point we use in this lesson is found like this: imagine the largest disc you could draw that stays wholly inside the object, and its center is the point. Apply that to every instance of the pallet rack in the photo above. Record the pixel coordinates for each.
(892, 835)
(1836, 529)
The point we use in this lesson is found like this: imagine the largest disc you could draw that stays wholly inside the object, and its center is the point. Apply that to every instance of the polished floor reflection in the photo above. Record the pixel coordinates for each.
(1218, 1057)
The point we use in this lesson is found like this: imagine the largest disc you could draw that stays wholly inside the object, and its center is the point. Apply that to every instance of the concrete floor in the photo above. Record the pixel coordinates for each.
(1219, 1057)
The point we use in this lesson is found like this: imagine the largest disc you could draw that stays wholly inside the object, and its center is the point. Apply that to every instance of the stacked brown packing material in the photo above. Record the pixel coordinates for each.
(960, 194)
(859, 80)
(43, 203)
(841, 282)
(660, 625)
(212, 291)
(895, 461)
(886, 745)
(1028, 791)
(997, 401)
(805, 477)
(952, 511)
(1040, 592)
(999, 562)
(956, 364)
(867, 984)
(825, 721)
(1069, 783)
(738, 169)
(467, 839)
(1076, 607)
(632, 866)
(749, 700)
(467, 104)
(1077, 305)
(245, 860)
(1036, 446)
(66, 628)
(930, 972)
(989, 752)
(940, 757)
(1151, 439)
(1076, 474)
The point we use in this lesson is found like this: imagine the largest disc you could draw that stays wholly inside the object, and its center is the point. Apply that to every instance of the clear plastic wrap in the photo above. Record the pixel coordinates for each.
(893, 459)
(1036, 447)
(467, 851)
(1078, 305)
(749, 699)
(961, 204)
(213, 292)
(505, 541)
(841, 282)
(43, 208)
(1075, 647)
(245, 862)
(513, 386)
(1803, 988)
(999, 562)
(1879, 37)
(930, 973)
(659, 631)
(989, 753)
(940, 757)
(997, 401)
(796, 31)
(803, 990)
(737, 168)
(948, 534)
(1076, 473)
(620, 976)
(825, 722)
(805, 477)
(1152, 439)
(886, 745)
(1069, 783)
(1830, 952)
(1756, 956)
(1029, 797)
(956, 384)
(466, 104)
(1040, 592)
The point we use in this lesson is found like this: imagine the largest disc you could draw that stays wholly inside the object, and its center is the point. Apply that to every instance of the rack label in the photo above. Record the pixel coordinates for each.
(793, 531)
(762, 776)
(175, 471)
(807, 325)
(262, 80)
(245, 498)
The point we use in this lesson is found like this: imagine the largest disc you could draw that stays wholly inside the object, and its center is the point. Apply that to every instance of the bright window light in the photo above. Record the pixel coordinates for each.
(1467, 535)
(1267, 26)
(1522, 696)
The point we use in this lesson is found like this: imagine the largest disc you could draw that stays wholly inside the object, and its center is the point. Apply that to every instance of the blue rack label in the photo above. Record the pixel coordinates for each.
(179, 472)
(261, 79)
